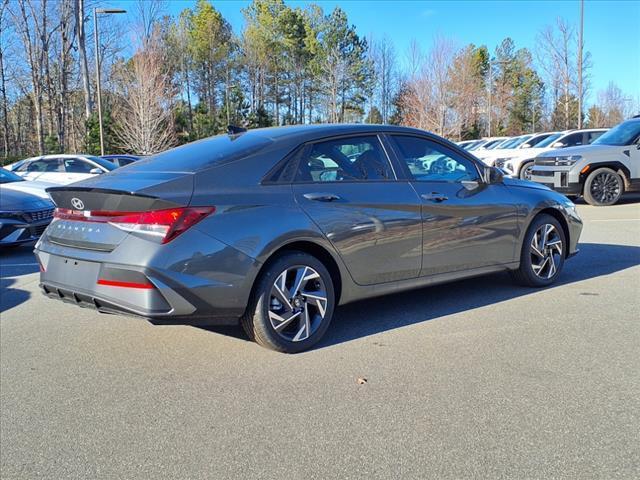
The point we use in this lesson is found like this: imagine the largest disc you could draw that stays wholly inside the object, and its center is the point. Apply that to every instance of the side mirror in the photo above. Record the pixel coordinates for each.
(558, 145)
(526, 145)
(95, 171)
(493, 175)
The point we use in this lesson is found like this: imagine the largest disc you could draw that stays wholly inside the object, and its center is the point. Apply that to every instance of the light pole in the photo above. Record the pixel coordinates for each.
(491, 64)
(580, 46)
(96, 11)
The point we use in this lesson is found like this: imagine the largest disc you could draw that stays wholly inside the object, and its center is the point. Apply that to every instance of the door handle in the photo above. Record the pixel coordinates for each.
(434, 197)
(321, 197)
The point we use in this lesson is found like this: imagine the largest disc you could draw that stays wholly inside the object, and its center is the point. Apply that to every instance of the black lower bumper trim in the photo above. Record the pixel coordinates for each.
(103, 306)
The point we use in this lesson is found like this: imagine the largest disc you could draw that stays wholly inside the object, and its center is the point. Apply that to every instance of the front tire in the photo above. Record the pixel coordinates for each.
(543, 253)
(603, 187)
(292, 304)
(525, 171)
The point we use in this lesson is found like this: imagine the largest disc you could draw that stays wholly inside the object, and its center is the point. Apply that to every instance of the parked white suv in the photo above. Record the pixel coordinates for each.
(601, 172)
(520, 162)
(489, 156)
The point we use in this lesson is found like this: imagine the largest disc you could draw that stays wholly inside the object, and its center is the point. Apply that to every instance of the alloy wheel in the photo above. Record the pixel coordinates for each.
(298, 303)
(546, 251)
(526, 172)
(605, 187)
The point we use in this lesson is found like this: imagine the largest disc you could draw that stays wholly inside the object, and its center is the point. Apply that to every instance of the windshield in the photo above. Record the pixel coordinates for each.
(107, 165)
(537, 139)
(625, 133)
(478, 144)
(512, 142)
(495, 143)
(519, 141)
(471, 145)
(549, 140)
(9, 177)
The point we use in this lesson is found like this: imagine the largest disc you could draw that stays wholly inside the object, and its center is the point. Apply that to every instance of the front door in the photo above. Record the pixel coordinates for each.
(348, 188)
(467, 223)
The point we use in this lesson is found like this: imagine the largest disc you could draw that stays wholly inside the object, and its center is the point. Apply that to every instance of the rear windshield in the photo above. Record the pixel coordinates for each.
(202, 154)
(8, 177)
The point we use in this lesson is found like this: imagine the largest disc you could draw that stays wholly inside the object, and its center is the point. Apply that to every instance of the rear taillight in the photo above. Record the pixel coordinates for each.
(162, 224)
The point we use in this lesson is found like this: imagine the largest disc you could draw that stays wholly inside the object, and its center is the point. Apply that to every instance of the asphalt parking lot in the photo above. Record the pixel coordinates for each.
(476, 379)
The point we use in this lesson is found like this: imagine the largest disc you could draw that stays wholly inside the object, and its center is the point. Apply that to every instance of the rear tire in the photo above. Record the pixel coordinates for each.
(292, 304)
(603, 187)
(543, 253)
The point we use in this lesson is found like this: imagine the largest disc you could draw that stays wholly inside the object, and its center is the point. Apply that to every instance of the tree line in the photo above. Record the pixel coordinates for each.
(168, 80)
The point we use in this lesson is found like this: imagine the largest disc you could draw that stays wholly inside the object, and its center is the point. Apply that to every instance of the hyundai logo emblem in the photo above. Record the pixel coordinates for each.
(77, 204)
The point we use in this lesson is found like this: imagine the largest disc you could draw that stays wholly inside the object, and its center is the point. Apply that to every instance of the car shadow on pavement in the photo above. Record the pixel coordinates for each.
(627, 198)
(364, 318)
(15, 262)
(376, 315)
(11, 297)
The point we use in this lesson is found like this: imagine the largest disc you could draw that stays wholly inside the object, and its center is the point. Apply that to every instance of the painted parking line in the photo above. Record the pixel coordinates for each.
(617, 220)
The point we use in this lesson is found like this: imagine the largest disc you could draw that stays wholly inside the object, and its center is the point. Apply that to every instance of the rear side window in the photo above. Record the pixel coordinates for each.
(46, 165)
(428, 161)
(345, 159)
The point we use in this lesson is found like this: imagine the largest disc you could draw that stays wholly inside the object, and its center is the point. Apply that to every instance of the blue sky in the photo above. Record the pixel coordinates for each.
(612, 28)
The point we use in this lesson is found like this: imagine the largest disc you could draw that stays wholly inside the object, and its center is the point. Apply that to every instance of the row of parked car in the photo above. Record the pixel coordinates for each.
(25, 206)
(598, 164)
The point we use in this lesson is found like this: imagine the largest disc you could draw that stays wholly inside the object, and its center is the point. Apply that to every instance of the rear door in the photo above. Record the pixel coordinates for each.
(467, 223)
(348, 187)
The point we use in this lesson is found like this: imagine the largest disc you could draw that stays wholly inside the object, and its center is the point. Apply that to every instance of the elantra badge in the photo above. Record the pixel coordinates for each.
(77, 204)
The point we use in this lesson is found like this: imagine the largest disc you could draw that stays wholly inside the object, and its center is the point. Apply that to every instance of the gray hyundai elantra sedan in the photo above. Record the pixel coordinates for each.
(274, 228)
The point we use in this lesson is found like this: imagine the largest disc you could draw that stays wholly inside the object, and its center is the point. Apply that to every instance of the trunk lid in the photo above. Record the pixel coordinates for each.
(117, 192)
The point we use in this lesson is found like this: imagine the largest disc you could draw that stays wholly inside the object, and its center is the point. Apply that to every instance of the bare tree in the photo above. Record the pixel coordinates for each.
(3, 87)
(78, 10)
(31, 25)
(466, 88)
(428, 100)
(558, 55)
(147, 13)
(384, 61)
(144, 123)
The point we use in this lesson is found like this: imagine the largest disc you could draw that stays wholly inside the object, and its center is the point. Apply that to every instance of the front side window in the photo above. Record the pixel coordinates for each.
(593, 135)
(573, 140)
(345, 159)
(429, 161)
(75, 165)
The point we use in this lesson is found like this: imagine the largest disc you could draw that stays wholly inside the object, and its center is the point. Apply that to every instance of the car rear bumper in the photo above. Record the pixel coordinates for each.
(209, 286)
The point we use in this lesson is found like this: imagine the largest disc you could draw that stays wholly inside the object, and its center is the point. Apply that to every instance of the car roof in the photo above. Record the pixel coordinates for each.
(60, 155)
(306, 132)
